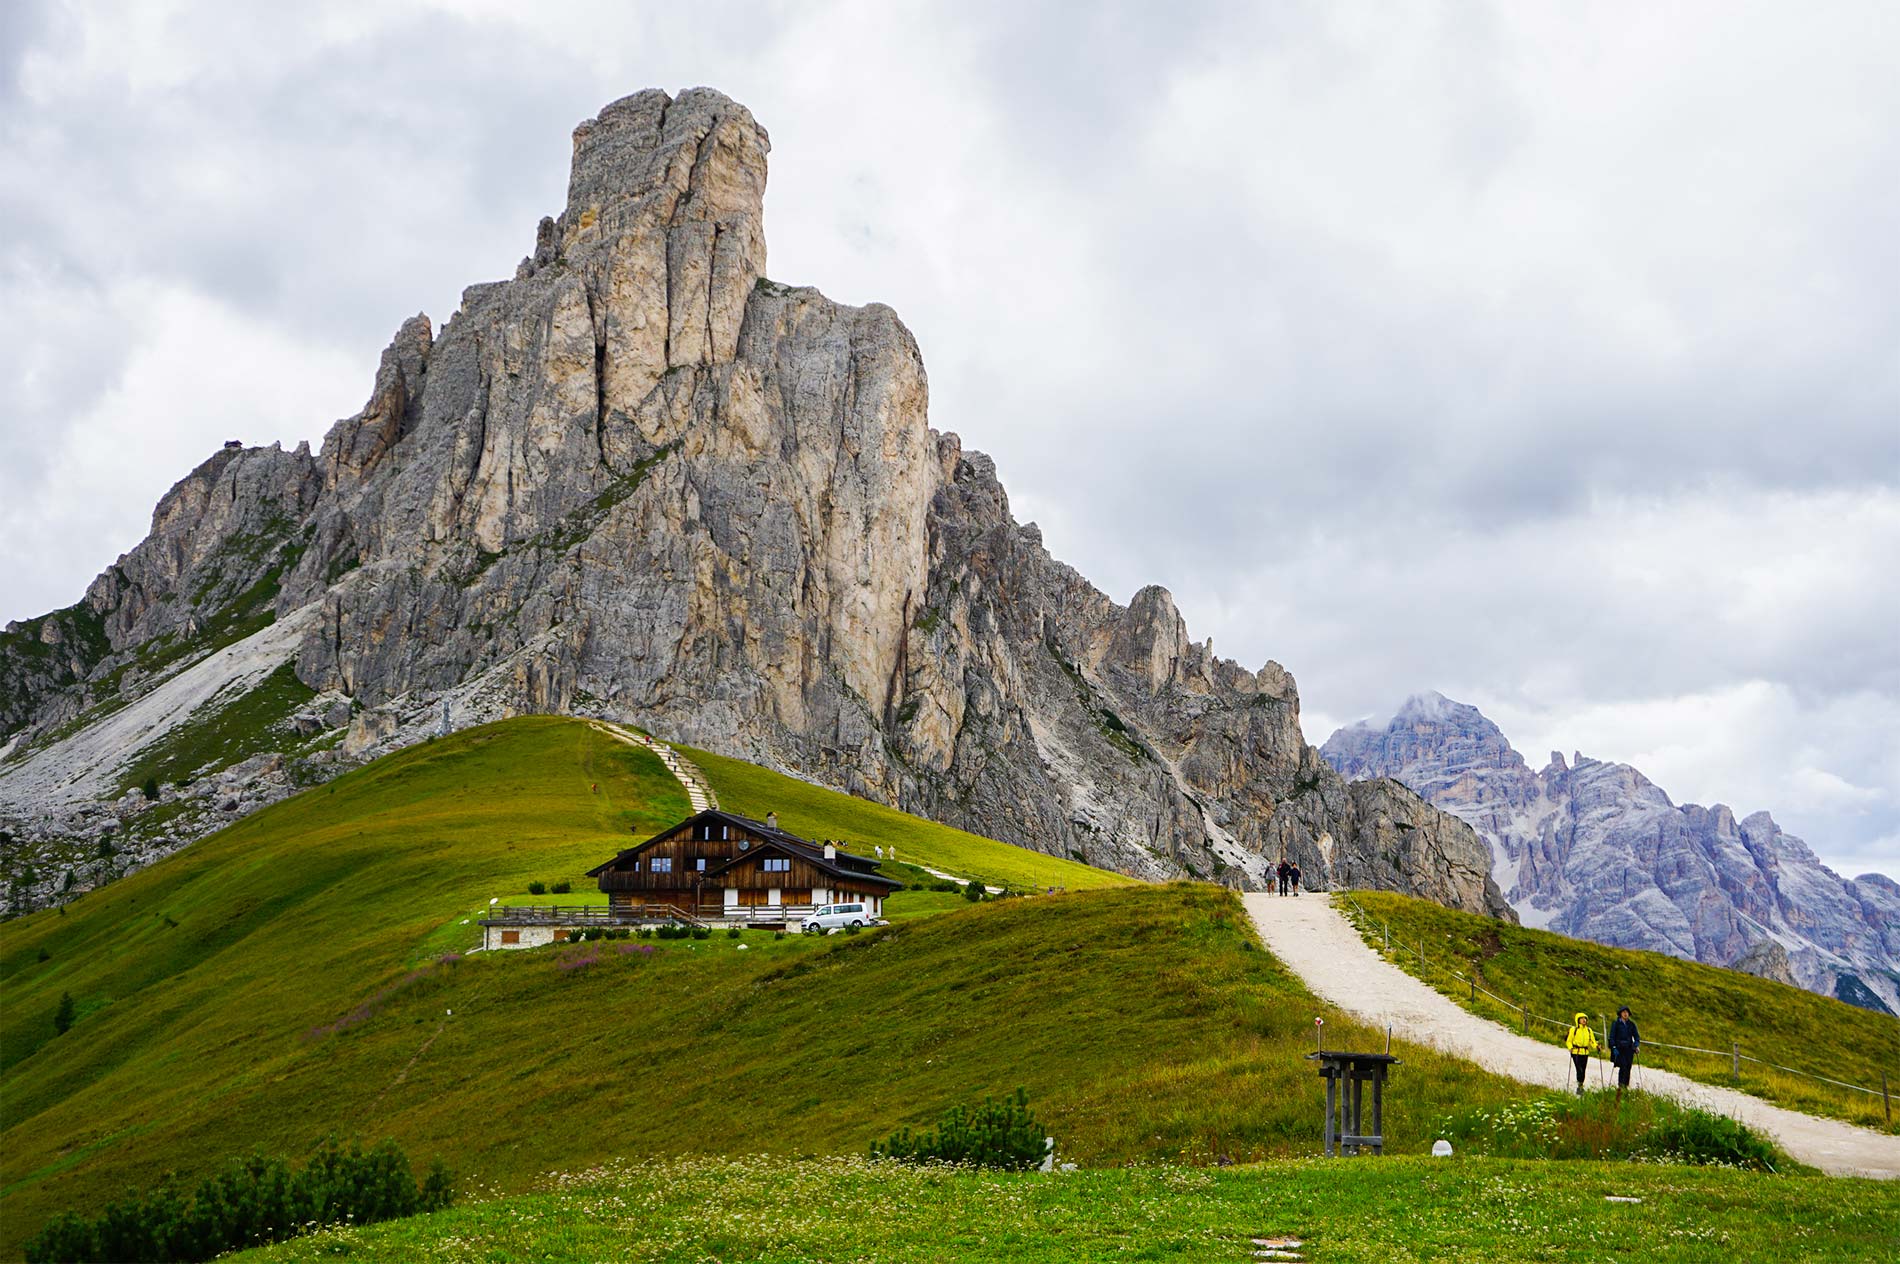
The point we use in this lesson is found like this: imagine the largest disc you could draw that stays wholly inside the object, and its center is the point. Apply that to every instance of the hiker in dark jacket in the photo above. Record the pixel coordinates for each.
(1625, 1040)
(1293, 876)
(1279, 872)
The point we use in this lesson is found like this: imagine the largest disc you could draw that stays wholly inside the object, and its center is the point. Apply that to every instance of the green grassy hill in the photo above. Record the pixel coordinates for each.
(277, 981)
(1675, 1002)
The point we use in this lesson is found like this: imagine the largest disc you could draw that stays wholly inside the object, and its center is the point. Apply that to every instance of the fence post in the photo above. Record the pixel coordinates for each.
(1735, 1061)
(1525, 1011)
(1886, 1103)
(1474, 989)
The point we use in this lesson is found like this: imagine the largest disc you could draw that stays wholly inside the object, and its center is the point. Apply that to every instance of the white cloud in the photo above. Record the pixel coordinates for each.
(1538, 353)
(196, 374)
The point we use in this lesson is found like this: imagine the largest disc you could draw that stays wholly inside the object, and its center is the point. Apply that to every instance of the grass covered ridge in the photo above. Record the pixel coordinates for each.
(267, 986)
(1370, 1211)
(1674, 1001)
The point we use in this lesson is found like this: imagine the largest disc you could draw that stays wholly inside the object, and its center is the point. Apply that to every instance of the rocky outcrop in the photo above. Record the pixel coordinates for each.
(642, 481)
(1597, 850)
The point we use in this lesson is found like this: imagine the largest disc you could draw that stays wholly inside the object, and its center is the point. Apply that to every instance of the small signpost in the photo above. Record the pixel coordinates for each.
(1346, 1076)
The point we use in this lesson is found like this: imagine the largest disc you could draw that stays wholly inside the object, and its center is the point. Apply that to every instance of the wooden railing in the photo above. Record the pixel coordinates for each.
(588, 915)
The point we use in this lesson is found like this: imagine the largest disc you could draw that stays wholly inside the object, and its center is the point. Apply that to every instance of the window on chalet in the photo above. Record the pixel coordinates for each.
(662, 864)
(777, 864)
(700, 864)
(710, 833)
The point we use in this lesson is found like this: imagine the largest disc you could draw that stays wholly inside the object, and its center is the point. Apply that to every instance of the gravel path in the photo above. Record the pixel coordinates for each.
(1320, 945)
(699, 791)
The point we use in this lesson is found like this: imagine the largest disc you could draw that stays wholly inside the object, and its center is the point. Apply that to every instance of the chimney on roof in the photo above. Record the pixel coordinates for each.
(771, 820)
(831, 850)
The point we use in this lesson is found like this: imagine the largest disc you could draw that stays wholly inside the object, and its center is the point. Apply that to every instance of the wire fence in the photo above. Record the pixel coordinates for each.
(1733, 1053)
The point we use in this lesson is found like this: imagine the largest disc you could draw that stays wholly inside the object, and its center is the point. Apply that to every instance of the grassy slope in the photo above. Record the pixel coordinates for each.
(1371, 1211)
(1144, 1020)
(812, 812)
(1674, 1001)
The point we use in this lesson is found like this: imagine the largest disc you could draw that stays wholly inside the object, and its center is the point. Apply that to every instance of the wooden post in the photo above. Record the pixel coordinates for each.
(1735, 1061)
(1886, 1103)
(1474, 989)
(1525, 1011)
(1378, 1111)
(1332, 1087)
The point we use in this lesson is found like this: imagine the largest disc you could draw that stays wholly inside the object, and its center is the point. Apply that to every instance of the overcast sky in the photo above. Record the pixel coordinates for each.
(1546, 355)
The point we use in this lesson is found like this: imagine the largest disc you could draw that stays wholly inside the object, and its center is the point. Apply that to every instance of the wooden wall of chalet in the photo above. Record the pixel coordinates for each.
(683, 850)
(750, 875)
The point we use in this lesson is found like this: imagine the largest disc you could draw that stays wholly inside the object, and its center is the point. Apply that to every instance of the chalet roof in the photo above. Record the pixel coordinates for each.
(846, 864)
(813, 856)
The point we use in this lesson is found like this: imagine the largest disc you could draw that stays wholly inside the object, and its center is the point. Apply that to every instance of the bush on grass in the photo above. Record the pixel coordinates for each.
(251, 1201)
(537, 887)
(1696, 1136)
(974, 891)
(561, 888)
(732, 932)
(63, 1016)
(1596, 1126)
(996, 1134)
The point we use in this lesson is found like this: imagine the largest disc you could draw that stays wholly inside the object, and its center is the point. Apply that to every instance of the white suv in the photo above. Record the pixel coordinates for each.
(827, 917)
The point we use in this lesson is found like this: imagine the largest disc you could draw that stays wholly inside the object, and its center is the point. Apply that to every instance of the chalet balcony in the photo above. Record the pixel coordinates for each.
(635, 915)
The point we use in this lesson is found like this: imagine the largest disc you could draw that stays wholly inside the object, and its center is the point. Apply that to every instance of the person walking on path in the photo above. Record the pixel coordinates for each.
(1293, 876)
(1279, 873)
(1582, 1042)
(1625, 1040)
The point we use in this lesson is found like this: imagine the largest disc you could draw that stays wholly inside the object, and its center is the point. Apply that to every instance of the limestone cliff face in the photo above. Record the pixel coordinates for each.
(640, 479)
(1597, 850)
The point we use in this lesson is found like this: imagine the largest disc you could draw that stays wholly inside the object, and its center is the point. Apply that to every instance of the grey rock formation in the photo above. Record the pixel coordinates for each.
(1597, 850)
(641, 480)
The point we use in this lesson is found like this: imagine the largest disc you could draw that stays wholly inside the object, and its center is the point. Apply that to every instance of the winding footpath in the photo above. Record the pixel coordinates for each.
(699, 791)
(1317, 943)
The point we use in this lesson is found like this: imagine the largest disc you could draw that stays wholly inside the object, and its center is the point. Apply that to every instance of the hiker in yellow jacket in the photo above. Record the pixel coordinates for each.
(1582, 1042)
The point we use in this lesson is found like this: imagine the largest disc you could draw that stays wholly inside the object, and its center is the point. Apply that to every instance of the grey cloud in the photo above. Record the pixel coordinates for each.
(1351, 325)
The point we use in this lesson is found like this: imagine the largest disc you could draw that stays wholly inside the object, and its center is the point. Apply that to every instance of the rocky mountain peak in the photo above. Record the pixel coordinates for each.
(1596, 849)
(638, 479)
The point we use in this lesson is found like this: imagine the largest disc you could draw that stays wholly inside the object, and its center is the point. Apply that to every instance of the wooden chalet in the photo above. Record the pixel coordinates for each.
(725, 866)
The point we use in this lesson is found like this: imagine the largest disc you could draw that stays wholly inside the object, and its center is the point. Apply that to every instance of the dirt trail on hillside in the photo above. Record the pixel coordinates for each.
(1317, 942)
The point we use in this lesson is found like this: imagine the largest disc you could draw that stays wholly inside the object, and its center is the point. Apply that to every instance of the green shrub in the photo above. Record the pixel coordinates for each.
(150, 788)
(775, 934)
(853, 929)
(251, 1201)
(1597, 1126)
(996, 1134)
(561, 888)
(702, 932)
(537, 887)
(974, 891)
(63, 1016)
(1696, 1136)
(732, 932)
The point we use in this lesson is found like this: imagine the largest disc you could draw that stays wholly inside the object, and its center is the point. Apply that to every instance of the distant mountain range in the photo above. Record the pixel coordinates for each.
(1598, 851)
